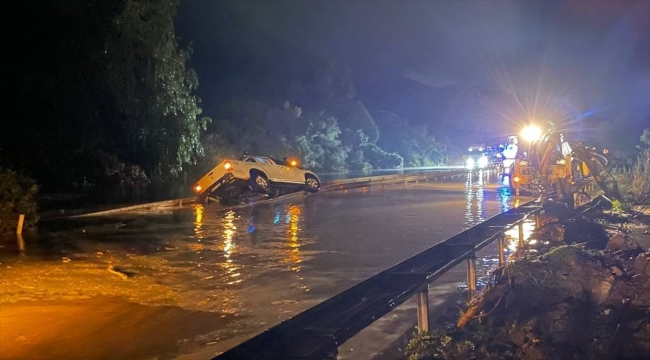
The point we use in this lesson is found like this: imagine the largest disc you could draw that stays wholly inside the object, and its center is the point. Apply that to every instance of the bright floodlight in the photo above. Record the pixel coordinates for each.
(531, 133)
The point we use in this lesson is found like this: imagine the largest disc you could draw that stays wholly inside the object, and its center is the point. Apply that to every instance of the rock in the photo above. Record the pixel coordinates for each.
(559, 210)
(621, 242)
(553, 232)
(641, 265)
(616, 271)
(582, 230)
(601, 291)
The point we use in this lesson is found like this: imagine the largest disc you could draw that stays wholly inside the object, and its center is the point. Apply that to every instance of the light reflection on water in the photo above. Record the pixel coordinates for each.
(260, 241)
(475, 197)
(229, 246)
(292, 229)
(485, 265)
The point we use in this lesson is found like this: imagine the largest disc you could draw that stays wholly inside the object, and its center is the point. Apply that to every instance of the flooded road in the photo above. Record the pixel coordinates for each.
(202, 279)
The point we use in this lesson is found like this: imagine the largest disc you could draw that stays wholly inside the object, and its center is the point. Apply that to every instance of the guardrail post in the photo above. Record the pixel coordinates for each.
(423, 310)
(502, 251)
(538, 221)
(521, 234)
(471, 276)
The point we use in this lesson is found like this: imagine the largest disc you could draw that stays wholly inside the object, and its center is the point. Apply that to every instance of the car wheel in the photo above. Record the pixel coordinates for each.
(261, 183)
(312, 184)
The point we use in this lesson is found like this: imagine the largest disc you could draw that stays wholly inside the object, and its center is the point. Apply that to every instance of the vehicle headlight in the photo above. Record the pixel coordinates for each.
(470, 163)
(227, 166)
(483, 162)
(197, 188)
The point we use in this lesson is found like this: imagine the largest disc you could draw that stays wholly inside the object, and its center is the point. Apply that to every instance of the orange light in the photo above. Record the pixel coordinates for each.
(227, 165)
(516, 179)
(294, 163)
(197, 188)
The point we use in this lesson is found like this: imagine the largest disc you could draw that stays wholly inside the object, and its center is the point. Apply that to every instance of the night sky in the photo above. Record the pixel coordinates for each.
(492, 62)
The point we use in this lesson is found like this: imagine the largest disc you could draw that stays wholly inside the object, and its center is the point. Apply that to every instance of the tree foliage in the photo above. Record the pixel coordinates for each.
(416, 145)
(323, 142)
(645, 137)
(17, 196)
(634, 180)
(320, 146)
(111, 94)
(153, 89)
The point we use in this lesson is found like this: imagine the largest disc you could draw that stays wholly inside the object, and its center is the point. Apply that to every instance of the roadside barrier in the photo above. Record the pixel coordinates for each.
(316, 333)
(328, 186)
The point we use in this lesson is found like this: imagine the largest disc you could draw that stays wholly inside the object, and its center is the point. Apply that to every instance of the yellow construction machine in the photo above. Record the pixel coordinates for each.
(545, 163)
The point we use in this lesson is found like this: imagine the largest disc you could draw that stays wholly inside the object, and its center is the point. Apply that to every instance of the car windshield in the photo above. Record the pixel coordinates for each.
(264, 160)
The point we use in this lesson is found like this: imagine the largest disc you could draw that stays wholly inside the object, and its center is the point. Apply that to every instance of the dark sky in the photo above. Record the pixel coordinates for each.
(540, 58)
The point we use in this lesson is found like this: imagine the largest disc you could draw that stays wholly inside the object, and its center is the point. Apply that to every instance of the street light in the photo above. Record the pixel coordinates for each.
(531, 133)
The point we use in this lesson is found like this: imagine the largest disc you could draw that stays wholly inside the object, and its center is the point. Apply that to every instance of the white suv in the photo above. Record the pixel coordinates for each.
(258, 173)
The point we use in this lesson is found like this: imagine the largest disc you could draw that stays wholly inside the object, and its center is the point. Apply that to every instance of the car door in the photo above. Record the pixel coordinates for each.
(275, 171)
(295, 174)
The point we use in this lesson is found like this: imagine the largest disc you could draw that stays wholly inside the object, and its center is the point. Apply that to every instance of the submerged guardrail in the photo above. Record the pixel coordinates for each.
(316, 333)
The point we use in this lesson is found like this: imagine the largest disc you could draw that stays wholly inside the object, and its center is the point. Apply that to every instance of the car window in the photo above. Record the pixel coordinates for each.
(264, 160)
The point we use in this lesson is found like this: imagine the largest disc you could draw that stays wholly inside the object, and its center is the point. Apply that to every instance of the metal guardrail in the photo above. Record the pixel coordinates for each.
(329, 186)
(316, 333)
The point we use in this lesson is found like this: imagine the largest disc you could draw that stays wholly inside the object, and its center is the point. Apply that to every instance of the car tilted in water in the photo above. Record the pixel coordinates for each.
(230, 179)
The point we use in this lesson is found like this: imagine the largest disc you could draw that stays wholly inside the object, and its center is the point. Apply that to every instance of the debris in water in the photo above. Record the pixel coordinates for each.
(117, 272)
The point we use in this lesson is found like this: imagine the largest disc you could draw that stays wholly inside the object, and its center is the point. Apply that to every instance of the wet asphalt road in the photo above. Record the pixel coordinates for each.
(244, 269)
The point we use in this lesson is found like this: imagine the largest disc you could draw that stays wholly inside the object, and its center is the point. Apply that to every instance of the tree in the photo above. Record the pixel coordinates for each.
(645, 137)
(153, 88)
(320, 146)
(381, 159)
(334, 88)
(415, 145)
(358, 118)
(355, 141)
(253, 126)
(17, 196)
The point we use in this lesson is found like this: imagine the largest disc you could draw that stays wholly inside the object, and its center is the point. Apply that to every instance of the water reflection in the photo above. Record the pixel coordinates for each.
(504, 198)
(229, 247)
(198, 222)
(486, 265)
(475, 198)
(512, 236)
(292, 228)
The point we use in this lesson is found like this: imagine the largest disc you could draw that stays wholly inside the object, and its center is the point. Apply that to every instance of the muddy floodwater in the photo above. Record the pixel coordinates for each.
(192, 282)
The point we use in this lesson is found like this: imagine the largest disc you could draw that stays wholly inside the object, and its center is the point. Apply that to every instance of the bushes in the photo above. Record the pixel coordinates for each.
(17, 196)
(634, 182)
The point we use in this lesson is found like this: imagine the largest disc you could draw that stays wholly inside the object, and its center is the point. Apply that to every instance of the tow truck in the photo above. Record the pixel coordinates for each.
(546, 163)
(230, 179)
